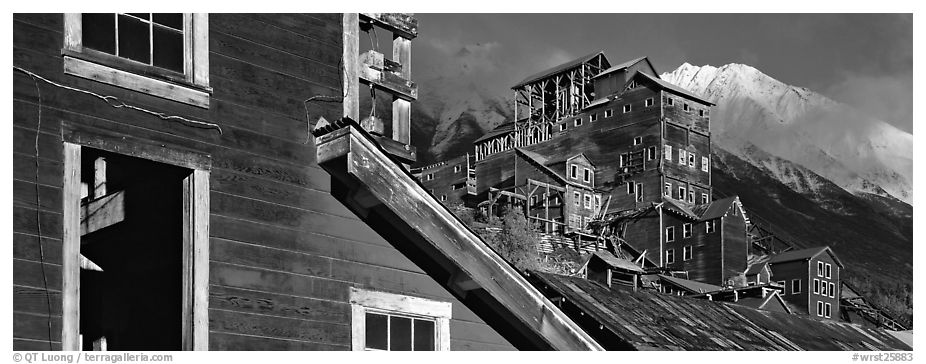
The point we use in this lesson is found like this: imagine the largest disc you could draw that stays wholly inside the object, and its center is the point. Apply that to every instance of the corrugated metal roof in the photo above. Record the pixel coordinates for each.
(808, 253)
(621, 66)
(646, 320)
(674, 88)
(552, 71)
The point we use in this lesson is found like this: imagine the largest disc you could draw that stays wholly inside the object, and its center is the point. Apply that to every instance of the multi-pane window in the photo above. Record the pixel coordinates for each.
(588, 201)
(691, 160)
(686, 230)
(396, 322)
(710, 226)
(705, 164)
(670, 233)
(576, 197)
(795, 286)
(152, 39)
(670, 256)
(686, 252)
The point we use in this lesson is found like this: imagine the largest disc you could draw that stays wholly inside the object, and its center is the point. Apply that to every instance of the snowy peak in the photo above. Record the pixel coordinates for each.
(834, 140)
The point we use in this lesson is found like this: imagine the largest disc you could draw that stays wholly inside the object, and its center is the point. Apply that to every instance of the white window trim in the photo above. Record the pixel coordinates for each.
(816, 286)
(363, 300)
(827, 308)
(670, 101)
(651, 153)
(682, 157)
(562, 127)
(832, 290)
(687, 253)
(608, 113)
(682, 191)
(592, 117)
(820, 308)
(637, 140)
(573, 171)
(668, 152)
(587, 201)
(705, 164)
(668, 189)
(586, 175)
(196, 253)
(668, 229)
(819, 269)
(686, 230)
(196, 60)
(627, 108)
(670, 261)
(793, 281)
(828, 271)
(578, 122)
(691, 160)
(704, 199)
(649, 102)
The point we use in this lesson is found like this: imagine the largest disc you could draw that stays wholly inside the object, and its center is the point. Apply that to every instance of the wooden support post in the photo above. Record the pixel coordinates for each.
(70, 290)
(99, 177)
(350, 55)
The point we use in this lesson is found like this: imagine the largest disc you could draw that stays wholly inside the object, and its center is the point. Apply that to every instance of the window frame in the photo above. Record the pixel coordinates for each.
(196, 192)
(362, 301)
(577, 122)
(457, 168)
(608, 113)
(793, 282)
(832, 290)
(649, 102)
(705, 164)
(687, 253)
(631, 187)
(670, 253)
(593, 117)
(573, 171)
(816, 286)
(577, 196)
(820, 308)
(682, 157)
(586, 175)
(638, 191)
(670, 101)
(667, 150)
(587, 201)
(189, 87)
(682, 193)
(687, 230)
(637, 140)
(651, 153)
(827, 310)
(827, 272)
(670, 229)
(823, 287)
(686, 107)
(704, 198)
(668, 189)
(562, 127)
(819, 269)
(691, 159)
(627, 108)
(710, 226)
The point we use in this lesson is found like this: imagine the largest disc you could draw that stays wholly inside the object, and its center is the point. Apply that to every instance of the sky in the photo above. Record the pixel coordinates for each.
(865, 60)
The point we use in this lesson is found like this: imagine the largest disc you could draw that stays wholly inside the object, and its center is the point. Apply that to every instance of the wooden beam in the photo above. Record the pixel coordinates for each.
(429, 234)
(391, 82)
(349, 55)
(401, 108)
(70, 287)
(403, 24)
(102, 212)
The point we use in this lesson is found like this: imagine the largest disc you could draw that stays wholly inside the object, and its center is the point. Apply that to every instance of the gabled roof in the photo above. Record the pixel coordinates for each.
(671, 87)
(625, 65)
(764, 303)
(804, 254)
(714, 209)
(679, 208)
(563, 67)
(646, 320)
(756, 268)
(582, 155)
(614, 262)
(689, 285)
(540, 162)
(502, 129)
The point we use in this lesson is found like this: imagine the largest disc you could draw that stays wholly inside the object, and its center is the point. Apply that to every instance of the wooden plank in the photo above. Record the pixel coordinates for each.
(102, 212)
(247, 27)
(36, 301)
(200, 223)
(349, 57)
(277, 282)
(24, 194)
(30, 274)
(24, 221)
(112, 76)
(200, 49)
(71, 249)
(275, 259)
(279, 305)
(35, 345)
(230, 341)
(537, 318)
(400, 23)
(35, 327)
(392, 83)
(26, 247)
(278, 327)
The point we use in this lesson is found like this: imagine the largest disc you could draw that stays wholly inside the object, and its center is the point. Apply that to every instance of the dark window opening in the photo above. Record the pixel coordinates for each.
(132, 254)
(152, 39)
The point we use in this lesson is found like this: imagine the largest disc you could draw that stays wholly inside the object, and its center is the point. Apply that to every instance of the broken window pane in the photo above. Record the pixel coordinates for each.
(134, 41)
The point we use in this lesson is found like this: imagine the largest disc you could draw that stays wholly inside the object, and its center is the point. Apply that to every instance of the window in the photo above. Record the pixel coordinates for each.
(630, 189)
(578, 122)
(627, 108)
(668, 152)
(670, 234)
(573, 171)
(820, 308)
(691, 194)
(670, 256)
(651, 153)
(686, 252)
(710, 226)
(832, 290)
(639, 192)
(608, 113)
(587, 201)
(668, 189)
(562, 127)
(637, 140)
(686, 107)
(816, 286)
(443, 197)
(704, 198)
(388, 321)
(597, 201)
(686, 230)
(781, 284)
(828, 271)
(593, 117)
(823, 288)
(681, 192)
(820, 269)
(622, 160)
(700, 112)
(705, 164)
(533, 200)
(169, 234)
(795, 286)
(576, 197)
(649, 102)
(457, 168)
(826, 310)
(164, 55)
(632, 84)
(429, 176)
(587, 175)
(691, 160)
(670, 101)
(682, 156)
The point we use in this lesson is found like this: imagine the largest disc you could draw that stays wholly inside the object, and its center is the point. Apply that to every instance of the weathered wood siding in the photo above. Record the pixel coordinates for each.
(735, 247)
(283, 252)
(788, 271)
(443, 180)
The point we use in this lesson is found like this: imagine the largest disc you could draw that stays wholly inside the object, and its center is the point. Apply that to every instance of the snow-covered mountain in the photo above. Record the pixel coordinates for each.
(756, 113)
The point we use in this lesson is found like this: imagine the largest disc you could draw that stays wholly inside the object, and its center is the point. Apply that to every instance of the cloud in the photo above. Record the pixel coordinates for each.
(888, 98)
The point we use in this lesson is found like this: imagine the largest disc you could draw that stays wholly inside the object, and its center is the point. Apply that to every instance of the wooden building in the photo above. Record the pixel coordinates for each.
(810, 278)
(200, 140)
(453, 181)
